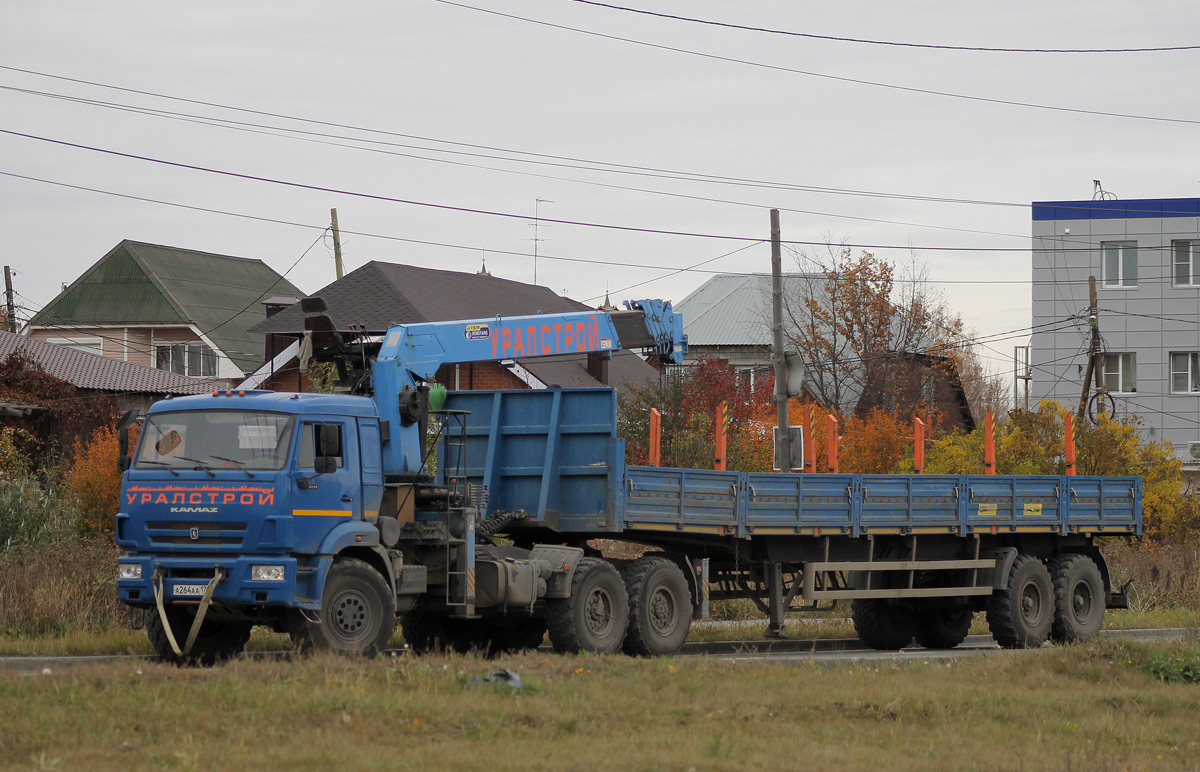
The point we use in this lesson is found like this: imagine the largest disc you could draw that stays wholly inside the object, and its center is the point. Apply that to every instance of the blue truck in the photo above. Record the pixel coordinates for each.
(333, 516)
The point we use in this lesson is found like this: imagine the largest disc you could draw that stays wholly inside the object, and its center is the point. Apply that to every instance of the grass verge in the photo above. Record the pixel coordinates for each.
(1102, 706)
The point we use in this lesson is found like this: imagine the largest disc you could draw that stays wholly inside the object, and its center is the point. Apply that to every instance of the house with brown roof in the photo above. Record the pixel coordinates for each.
(133, 385)
(379, 295)
(178, 310)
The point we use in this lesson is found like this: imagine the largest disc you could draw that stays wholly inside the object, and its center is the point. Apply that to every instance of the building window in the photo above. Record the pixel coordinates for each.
(1185, 373)
(1187, 263)
(1120, 263)
(1120, 372)
(90, 345)
(194, 359)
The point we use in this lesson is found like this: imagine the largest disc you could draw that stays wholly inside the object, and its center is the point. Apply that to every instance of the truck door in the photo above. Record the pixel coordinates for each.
(329, 498)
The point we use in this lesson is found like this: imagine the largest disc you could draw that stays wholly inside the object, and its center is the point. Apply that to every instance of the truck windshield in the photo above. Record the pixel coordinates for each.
(215, 439)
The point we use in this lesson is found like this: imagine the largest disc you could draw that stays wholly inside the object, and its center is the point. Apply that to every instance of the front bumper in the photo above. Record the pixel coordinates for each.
(301, 586)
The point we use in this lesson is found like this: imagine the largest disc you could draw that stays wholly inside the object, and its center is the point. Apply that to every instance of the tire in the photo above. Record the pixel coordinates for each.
(1078, 598)
(594, 618)
(357, 614)
(943, 628)
(881, 625)
(520, 634)
(1020, 616)
(216, 641)
(660, 607)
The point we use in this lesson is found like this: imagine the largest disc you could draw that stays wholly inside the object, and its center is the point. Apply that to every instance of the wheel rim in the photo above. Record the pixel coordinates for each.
(662, 612)
(1082, 600)
(598, 612)
(349, 615)
(1032, 603)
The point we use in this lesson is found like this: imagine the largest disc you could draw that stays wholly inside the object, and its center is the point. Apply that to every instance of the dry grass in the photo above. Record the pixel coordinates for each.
(60, 587)
(1096, 707)
(1164, 575)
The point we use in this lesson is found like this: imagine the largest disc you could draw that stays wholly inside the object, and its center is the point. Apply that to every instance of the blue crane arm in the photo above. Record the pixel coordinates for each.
(412, 353)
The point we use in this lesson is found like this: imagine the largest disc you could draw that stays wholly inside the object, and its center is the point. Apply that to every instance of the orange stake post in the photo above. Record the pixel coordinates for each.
(1069, 444)
(918, 446)
(989, 445)
(831, 441)
(719, 461)
(810, 443)
(655, 437)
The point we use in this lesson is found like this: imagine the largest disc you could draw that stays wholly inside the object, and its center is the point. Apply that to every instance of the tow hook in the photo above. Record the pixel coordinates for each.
(219, 574)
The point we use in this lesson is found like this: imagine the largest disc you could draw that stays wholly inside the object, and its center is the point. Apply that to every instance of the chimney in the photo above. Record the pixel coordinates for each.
(597, 365)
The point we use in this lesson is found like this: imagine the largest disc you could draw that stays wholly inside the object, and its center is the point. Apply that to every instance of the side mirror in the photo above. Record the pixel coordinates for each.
(325, 465)
(123, 459)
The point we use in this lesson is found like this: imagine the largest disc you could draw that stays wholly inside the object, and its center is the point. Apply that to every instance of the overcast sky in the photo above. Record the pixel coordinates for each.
(458, 106)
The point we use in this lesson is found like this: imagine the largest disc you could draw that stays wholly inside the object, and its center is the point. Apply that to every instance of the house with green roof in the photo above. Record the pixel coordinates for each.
(178, 310)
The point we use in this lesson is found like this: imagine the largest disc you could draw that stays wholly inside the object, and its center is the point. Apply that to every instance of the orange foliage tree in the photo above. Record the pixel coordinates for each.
(94, 479)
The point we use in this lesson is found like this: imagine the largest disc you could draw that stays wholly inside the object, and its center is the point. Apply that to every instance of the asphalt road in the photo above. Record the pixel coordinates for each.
(824, 652)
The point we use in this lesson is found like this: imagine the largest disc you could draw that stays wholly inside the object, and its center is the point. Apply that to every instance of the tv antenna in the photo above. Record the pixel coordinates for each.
(537, 202)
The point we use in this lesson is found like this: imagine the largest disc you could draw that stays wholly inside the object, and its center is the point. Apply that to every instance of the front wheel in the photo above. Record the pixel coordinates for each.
(596, 614)
(216, 641)
(357, 614)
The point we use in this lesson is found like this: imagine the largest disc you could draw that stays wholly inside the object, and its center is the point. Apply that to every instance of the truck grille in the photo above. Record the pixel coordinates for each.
(206, 534)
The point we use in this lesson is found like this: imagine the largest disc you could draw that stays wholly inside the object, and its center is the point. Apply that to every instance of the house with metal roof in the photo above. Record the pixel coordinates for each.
(379, 295)
(133, 385)
(178, 310)
(729, 318)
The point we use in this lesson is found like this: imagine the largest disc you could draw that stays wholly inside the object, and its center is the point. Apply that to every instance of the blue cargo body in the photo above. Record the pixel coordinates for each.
(537, 451)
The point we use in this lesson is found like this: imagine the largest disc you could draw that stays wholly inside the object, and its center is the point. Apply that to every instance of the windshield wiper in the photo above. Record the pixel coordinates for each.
(199, 465)
(160, 463)
(241, 465)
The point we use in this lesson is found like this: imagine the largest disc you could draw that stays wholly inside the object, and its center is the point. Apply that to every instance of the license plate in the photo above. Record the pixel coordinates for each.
(190, 590)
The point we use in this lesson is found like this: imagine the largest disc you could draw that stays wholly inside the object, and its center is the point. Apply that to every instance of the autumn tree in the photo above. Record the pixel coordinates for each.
(874, 335)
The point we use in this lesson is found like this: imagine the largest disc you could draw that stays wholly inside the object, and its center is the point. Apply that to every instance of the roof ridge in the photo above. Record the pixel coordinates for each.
(193, 251)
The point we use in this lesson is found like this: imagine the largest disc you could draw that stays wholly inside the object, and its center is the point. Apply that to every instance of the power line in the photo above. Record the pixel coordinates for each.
(867, 41)
(508, 215)
(839, 78)
(592, 164)
(313, 137)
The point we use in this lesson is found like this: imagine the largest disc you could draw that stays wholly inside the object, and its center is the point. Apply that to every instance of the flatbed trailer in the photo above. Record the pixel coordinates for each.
(907, 548)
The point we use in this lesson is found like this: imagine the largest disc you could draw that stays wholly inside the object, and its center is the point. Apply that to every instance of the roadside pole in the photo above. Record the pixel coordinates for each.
(783, 448)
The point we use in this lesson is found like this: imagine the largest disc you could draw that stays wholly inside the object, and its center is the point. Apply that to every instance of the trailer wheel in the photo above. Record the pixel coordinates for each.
(596, 614)
(1020, 615)
(1078, 598)
(216, 641)
(660, 607)
(357, 614)
(882, 625)
(943, 628)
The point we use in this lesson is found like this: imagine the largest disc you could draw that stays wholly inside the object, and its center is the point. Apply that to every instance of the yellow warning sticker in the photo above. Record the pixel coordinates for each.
(987, 510)
(1033, 510)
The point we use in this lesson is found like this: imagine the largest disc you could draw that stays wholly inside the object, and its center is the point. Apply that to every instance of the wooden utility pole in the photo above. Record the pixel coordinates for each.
(1095, 365)
(783, 448)
(10, 320)
(337, 244)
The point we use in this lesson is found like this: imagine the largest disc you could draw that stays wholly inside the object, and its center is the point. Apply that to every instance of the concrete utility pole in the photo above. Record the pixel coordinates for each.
(337, 244)
(1095, 366)
(10, 321)
(783, 448)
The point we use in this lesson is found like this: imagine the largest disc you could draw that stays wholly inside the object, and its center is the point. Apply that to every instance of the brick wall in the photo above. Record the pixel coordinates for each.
(478, 376)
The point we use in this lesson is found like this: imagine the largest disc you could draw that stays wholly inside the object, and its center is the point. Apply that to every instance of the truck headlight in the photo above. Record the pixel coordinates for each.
(129, 571)
(266, 573)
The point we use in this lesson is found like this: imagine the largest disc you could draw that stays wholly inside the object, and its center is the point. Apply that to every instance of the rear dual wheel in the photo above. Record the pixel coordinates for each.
(660, 607)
